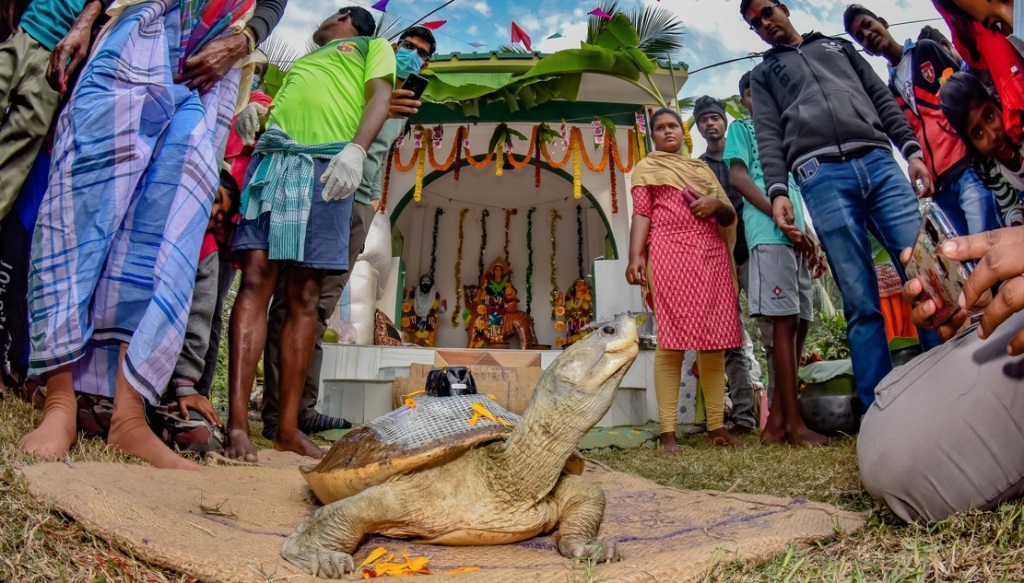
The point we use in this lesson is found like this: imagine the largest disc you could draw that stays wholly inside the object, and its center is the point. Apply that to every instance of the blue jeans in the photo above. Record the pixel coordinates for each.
(969, 205)
(846, 200)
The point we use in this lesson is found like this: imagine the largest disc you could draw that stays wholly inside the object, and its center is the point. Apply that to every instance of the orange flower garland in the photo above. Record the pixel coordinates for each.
(459, 134)
(412, 162)
(526, 158)
(417, 193)
(615, 189)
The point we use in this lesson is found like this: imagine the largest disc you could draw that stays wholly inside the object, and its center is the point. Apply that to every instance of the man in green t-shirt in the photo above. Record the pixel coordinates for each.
(412, 52)
(780, 295)
(297, 209)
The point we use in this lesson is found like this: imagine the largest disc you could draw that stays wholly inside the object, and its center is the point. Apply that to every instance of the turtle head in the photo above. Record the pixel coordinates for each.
(600, 360)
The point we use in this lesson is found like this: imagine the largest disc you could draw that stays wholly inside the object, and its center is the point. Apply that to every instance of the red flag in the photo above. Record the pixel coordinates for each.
(434, 24)
(520, 36)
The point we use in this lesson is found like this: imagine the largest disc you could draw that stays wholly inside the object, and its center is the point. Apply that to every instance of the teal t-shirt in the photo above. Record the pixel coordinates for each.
(760, 228)
(48, 21)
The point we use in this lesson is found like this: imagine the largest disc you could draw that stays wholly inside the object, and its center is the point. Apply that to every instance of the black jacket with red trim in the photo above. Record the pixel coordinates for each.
(943, 149)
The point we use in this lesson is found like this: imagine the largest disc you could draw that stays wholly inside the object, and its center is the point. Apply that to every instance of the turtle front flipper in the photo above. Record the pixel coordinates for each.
(580, 506)
(324, 543)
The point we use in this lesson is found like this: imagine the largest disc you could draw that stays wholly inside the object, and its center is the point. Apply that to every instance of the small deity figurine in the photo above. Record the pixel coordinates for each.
(577, 307)
(493, 311)
(421, 311)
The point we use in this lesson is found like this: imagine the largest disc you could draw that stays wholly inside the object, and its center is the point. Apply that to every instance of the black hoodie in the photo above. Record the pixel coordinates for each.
(821, 99)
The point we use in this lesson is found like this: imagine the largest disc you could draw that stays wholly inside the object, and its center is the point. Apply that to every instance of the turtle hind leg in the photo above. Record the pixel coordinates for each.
(580, 507)
(324, 543)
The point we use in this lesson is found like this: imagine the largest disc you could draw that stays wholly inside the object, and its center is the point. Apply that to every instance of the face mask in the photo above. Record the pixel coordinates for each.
(407, 62)
(255, 83)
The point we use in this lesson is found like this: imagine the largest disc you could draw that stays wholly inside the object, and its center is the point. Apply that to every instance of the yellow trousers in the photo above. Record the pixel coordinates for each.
(668, 373)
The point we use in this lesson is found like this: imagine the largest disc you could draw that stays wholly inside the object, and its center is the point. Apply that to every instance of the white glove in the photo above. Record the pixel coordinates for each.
(248, 122)
(344, 173)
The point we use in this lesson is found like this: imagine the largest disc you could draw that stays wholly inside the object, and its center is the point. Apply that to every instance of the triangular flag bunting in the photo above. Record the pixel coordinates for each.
(381, 5)
(599, 13)
(477, 45)
(434, 24)
(520, 36)
(556, 35)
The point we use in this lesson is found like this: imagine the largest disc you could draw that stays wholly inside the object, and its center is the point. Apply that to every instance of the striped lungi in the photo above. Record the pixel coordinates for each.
(117, 241)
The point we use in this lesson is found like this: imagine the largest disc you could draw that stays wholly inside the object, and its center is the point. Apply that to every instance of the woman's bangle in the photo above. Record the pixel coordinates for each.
(250, 40)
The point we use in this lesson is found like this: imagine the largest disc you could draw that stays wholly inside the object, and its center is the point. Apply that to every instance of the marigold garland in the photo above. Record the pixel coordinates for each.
(577, 179)
(458, 270)
(526, 157)
(630, 152)
(599, 167)
(483, 242)
(451, 156)
(529, 260)
(508, 221)
(554, 263)
(688, 140)
(412, 162)
(615, 188)
(387, 180)
(417, 193)
(641, 146)
(551, 162)
(499, 164)
(579, 239)
(481, 165)
(536, 165)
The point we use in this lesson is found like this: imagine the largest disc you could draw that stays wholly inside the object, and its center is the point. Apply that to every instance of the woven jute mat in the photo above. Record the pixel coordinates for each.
(227, 523)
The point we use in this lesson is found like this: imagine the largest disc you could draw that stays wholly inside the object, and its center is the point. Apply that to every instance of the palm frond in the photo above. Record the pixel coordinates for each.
(390, 25)
(595, 24)
(279, 51)
(661, 31)
(512, 48)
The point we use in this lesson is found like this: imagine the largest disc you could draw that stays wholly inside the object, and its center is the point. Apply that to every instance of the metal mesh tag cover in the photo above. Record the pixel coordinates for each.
(435, 420)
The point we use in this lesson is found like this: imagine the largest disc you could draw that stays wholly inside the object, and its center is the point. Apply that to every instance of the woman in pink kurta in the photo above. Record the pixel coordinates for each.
(691, 279)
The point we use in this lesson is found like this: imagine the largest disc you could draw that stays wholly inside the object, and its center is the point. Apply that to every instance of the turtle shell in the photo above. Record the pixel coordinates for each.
(433, 432)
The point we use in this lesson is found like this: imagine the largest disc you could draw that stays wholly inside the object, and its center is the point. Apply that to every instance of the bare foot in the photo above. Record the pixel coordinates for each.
(131, 433)
(297, 442)
(770, 436)
(721, 436)
(56, 432)
(805, 437)
(669, 445)
(240, 447)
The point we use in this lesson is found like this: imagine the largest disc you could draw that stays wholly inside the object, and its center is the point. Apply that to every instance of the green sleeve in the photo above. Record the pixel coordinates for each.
(380, 62)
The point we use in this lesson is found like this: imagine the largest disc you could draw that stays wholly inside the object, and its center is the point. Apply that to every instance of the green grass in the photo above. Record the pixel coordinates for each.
(39, 545)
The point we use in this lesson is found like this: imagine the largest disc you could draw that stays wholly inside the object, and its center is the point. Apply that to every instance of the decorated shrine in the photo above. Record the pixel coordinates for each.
(505, 196)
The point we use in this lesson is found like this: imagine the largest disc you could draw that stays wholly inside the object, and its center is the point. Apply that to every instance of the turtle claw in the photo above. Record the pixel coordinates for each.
(316, 561)
(596, 550)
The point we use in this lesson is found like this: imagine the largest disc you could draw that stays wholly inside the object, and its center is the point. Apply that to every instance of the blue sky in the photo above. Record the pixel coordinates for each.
(714, 30)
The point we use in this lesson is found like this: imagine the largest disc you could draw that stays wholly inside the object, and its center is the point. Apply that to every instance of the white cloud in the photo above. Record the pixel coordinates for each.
(472, 30)
(481, 7)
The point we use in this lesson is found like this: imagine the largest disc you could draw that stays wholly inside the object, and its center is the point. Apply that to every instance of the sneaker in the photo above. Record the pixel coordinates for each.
(194, 434)
(310, 425)
(321, 422)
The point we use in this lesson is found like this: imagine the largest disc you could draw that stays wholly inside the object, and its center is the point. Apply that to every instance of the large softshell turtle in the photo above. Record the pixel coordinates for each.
(447, 482)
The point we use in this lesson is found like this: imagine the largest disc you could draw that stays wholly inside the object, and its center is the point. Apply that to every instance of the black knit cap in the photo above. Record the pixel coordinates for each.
(706, 104)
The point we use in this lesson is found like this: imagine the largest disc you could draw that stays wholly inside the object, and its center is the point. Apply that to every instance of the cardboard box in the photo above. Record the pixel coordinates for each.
(510, 376)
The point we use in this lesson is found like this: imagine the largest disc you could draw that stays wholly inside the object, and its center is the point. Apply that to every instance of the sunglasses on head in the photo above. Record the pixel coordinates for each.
(408, 44)
(758, 21)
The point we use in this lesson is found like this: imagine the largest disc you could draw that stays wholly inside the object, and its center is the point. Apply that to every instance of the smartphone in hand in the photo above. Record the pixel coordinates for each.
(417, 84)
(942, 278)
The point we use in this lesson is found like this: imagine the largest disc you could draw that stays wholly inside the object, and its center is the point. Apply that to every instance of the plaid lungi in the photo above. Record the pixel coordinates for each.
(117, 241)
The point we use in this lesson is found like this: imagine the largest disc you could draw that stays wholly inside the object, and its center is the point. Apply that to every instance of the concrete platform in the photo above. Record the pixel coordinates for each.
(356, 383)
